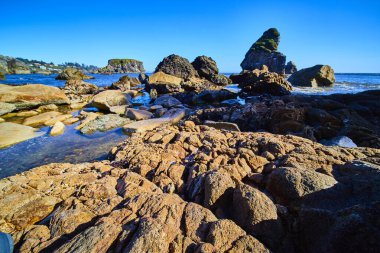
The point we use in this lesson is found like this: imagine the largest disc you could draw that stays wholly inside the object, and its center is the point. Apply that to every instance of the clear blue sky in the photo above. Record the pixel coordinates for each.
(342, 33)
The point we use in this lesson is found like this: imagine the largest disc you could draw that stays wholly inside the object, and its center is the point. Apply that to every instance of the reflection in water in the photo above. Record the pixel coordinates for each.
(71, 147)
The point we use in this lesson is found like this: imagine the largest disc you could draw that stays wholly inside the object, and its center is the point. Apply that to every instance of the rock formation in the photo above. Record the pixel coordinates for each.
(197, 189)
(123, 66)
(125, 83)
(264, 52)
(290, 68)
(262, 82)
(29, 96)
(109, 98)
(178, 66)
(207, 68)
(315, 117)
(72, 74)
(319, 75)
(17, 67)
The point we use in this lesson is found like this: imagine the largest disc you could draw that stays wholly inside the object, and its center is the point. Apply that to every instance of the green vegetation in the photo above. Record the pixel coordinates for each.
(115, 62)
(268, 42)
(2, 76)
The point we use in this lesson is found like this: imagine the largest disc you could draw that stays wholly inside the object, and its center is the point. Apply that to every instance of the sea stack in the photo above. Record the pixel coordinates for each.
(264, 52)
(123, 66)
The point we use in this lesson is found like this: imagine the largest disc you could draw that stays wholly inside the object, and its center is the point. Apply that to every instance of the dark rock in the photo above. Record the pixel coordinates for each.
(213, 96)
(264, 52)
(262, 82)
(167, 101)
(143, 78)
(178, 66)
(319, 75)
(205, 66)
(290, 68)
(220, 80)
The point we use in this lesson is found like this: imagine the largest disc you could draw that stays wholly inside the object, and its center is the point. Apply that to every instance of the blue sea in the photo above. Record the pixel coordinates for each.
(74, 147)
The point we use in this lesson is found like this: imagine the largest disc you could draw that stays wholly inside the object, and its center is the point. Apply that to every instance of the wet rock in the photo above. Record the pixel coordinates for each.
(264, 52)
(12, 133)
(104, 123)
(27, 113)
(57, 129)
(170, 117)
(109, 98)
(319, 75)
(167, 101)
(136, 114)
(290, 68)
(41, 119)
(342, 141)
(72, 73)
(30, 96)
(178, 66)
(213, 96)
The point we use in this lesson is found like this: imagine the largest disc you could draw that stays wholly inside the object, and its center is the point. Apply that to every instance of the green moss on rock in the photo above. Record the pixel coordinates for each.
(116, 62)
(268, 42)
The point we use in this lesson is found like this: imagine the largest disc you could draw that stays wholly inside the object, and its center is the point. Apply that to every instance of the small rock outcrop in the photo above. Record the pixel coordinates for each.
(290, 68)
(125, 83)
(207, 68)
(262, 82)
(123, 66)
(109, 98)
(79, 87)
(319, 75)
(264, 52)
(178, 66)
(72, 73)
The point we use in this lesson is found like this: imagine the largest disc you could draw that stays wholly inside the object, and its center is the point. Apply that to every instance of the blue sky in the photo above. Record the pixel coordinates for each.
(341, 33)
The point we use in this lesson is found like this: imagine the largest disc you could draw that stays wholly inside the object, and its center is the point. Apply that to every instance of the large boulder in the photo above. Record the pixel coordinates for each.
(31, 95)
(109, 98)
(72, 73)
(290, 68)
(79, 87)
(319, 75)
(264, 52)
(178, 66)
(164, 83)
(205, 66)
(262, 82)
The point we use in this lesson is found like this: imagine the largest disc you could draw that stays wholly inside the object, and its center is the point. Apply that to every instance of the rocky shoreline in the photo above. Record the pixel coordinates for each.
(199, 172)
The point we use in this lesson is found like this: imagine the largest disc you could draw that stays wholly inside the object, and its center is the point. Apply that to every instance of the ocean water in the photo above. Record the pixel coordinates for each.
(74, 147)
